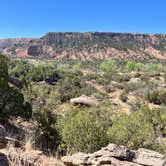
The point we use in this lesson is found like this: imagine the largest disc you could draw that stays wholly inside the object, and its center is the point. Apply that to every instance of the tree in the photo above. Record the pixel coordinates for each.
(47, 135)
(11, 99)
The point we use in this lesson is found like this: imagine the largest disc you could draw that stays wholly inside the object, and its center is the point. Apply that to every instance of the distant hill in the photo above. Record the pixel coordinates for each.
(89, 46)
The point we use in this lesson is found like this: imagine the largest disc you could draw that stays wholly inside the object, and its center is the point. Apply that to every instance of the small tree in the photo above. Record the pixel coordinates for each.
(11, 99)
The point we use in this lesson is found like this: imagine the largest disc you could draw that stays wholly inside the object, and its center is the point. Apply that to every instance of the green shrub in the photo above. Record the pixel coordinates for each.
(133, 66)
(77, 66)
(72, 86)
(108, 66)
(157, 96)
(144, 128)
(129, 66)
(84, 131)
(47, 135)
(121, 78)
(11, 99)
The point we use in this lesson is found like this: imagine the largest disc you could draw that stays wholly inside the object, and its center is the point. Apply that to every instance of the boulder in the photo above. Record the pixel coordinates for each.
(76, 159)
(121, 152)
(149, 157)
(114, 162)
(85, 100)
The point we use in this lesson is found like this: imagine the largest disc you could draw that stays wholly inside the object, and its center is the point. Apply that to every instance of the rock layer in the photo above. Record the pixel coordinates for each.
(89, 46)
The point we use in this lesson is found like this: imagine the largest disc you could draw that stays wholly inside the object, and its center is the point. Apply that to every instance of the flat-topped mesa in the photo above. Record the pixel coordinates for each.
(89, 46)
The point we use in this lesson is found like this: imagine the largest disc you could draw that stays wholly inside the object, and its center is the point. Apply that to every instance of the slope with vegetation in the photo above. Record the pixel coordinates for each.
(131, 107)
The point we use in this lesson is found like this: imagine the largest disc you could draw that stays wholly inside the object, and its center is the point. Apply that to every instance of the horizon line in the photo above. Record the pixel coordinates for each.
(82, 32)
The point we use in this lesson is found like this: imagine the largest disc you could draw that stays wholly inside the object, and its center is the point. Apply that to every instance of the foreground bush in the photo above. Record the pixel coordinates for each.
(84, 131)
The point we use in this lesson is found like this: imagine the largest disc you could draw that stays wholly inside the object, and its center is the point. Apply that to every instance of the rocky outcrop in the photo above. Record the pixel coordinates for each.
(115, 155)
(89, 46)
(85, 100)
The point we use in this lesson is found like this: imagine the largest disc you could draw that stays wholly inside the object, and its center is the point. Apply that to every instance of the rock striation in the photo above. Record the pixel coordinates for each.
(89, 46)
(115, 155)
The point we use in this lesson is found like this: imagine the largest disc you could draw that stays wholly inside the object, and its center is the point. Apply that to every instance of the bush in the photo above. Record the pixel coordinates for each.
(157, 96)
(84, 131)
(133, 66)
(144, 128)
(108, 66)
(47, 136)
(72, 86)
(77, 66)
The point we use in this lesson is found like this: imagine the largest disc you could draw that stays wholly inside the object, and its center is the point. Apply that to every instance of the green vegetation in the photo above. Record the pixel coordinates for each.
(141, 129)
(157, 96)
(83, 131)
(108, 66)
(11, 99)
(131, 97)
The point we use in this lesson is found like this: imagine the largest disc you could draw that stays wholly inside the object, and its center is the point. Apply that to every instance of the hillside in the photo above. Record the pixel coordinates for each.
(89, 46)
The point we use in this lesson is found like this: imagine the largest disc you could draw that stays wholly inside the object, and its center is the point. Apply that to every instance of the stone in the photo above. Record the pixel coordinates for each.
(76, 159)
(120, 152)
(85, 100)
(149, 157)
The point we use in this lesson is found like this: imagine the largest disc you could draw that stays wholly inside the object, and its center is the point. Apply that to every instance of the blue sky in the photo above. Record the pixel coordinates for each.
(34, 18)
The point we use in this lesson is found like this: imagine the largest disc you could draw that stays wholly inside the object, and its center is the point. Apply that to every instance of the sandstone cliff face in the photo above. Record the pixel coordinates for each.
(89, 46)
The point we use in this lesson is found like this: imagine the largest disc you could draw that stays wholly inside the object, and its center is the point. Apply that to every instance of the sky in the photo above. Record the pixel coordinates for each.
(34, 18)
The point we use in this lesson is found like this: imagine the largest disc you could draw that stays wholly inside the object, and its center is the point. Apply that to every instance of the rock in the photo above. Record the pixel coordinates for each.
(67, 160)
(76, 159)
(114, 162)
(149, 157)
(115, 155)
(120, 152)
(85, 100)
